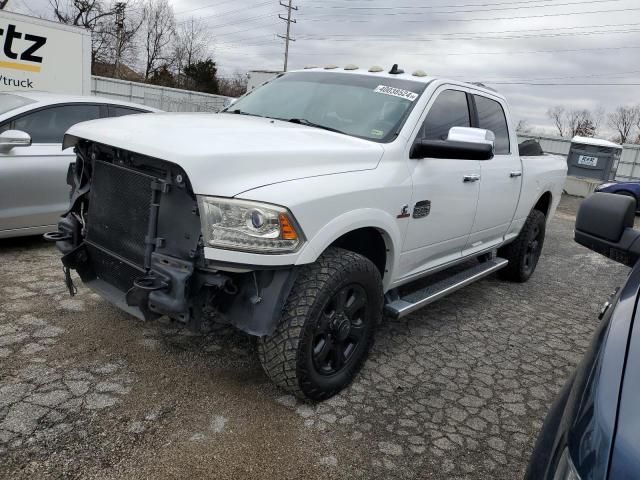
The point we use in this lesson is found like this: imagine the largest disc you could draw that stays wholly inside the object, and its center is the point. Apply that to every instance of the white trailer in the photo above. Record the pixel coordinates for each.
(42, 55)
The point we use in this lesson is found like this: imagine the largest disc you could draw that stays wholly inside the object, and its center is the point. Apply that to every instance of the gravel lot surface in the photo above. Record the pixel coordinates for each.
(458, 390)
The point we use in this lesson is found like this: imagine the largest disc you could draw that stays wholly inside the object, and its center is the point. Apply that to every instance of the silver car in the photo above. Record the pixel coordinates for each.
(33, 166)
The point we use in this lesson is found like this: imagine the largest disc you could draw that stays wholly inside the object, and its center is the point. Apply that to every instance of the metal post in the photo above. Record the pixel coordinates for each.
(287, 37)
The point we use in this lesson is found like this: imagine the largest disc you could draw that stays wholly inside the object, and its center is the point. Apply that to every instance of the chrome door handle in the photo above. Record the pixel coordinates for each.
(515, 174)
(471, 178)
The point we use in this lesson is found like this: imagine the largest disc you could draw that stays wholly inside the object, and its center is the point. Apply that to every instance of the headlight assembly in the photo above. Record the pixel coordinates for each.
(248, 226)
(566, 470)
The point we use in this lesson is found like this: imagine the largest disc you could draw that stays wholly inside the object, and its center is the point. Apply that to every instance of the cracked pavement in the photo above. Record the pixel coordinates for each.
(457, 390)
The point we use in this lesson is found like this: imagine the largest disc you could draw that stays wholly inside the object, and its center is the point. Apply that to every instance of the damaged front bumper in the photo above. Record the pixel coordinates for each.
(133, 235)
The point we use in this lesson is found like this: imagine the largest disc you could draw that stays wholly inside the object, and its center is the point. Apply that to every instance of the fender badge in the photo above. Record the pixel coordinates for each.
(422, 209)
(404, 213)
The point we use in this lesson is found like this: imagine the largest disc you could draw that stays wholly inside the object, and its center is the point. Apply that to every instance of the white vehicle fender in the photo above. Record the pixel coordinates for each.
(354, 220)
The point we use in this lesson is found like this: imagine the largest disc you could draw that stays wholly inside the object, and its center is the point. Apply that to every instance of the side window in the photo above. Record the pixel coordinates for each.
(50, 124)
(116, 111)
(491, 117)
(449, 110)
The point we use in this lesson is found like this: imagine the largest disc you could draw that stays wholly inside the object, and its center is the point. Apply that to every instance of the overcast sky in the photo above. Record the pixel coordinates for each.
(494, 41)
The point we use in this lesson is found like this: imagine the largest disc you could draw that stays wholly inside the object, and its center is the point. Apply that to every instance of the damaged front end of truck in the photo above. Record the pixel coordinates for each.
(133, 233)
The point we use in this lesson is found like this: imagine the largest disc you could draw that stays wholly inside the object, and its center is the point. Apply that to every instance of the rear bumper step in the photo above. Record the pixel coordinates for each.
(402, 306)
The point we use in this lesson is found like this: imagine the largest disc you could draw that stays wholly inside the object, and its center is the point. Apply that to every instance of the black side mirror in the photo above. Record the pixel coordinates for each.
(451, 149)
(605, 225)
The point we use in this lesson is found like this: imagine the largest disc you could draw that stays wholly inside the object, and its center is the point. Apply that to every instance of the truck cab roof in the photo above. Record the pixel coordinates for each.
(415, 76)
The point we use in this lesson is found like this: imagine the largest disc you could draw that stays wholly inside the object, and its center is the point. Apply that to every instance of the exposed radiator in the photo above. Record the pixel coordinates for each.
(119, 210)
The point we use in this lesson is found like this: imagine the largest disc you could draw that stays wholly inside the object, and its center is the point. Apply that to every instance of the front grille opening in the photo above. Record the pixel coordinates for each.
(119, 209)
(113, 270)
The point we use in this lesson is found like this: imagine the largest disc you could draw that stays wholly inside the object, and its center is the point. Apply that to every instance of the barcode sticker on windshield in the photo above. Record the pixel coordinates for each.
(396, 92)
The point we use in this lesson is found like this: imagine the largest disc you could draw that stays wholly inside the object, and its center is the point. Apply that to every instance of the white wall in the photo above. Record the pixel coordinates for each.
(168, 99)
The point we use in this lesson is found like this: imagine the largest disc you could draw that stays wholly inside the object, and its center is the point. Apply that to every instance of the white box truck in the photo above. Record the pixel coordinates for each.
(43, 55)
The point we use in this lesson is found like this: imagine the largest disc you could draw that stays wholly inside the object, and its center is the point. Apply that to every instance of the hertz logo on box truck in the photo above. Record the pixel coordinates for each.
(41, 55)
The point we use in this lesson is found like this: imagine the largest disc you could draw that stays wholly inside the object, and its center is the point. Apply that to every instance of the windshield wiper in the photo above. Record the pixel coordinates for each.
(240, 112)
(307, 123)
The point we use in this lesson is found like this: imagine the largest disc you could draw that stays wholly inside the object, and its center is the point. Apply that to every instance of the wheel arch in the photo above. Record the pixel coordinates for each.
(370, 232)
(544, 203)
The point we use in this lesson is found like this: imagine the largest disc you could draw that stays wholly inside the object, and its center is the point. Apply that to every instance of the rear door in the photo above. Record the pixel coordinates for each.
(33, 188)
(501, 177)
(445, 191)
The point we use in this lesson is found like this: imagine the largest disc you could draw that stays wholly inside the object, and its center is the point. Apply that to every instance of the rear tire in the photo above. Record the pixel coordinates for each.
(327, 326)
(524, 252)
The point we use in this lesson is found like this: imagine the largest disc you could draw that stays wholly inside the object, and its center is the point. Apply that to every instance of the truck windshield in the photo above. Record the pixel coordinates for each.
(364, 106)
(10, 102)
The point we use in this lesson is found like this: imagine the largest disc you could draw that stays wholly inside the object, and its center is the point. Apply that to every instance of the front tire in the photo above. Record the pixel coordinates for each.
(524, 252)
(327, 326)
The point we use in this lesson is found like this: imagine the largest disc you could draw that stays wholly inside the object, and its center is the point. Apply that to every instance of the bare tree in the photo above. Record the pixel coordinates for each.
(580, 122)
(523, 127)
(599, 115)
(623, 120)
(192, 43)
(122, 37)
(95, 15)
(158, 27)
(557, 114)
(234, 86)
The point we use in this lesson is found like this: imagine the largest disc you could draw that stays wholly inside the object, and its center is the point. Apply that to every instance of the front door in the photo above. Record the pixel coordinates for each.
(33, 188)
(445, 191)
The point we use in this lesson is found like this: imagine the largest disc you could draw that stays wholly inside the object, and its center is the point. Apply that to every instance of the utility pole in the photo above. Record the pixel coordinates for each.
(287, 37)
(119, 9)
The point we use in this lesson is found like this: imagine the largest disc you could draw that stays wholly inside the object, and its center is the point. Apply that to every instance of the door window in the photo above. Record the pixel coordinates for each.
(50, 124)
(491, 117)
(449, 110)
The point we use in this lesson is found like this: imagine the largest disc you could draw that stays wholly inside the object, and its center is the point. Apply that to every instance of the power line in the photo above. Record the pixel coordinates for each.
(528, 17)
(421, 7)
(244, 20)
(515, 52)
(228, 12)
(493, 4)
(414, 37)
(206, 6)
(560, 77)
(509, 37)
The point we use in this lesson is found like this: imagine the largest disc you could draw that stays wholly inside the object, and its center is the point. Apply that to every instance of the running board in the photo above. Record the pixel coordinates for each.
(401, 306)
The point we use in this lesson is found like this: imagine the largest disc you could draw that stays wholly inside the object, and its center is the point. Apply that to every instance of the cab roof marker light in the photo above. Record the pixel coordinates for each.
(351, 66)
(330, 67)
(309, 67)
(419, 73)
(376, 69)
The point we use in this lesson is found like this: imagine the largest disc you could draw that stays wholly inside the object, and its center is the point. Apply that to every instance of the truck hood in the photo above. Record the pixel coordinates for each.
(227, 154)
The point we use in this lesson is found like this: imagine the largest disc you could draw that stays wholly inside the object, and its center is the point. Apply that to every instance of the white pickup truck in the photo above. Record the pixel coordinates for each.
(306, 210)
